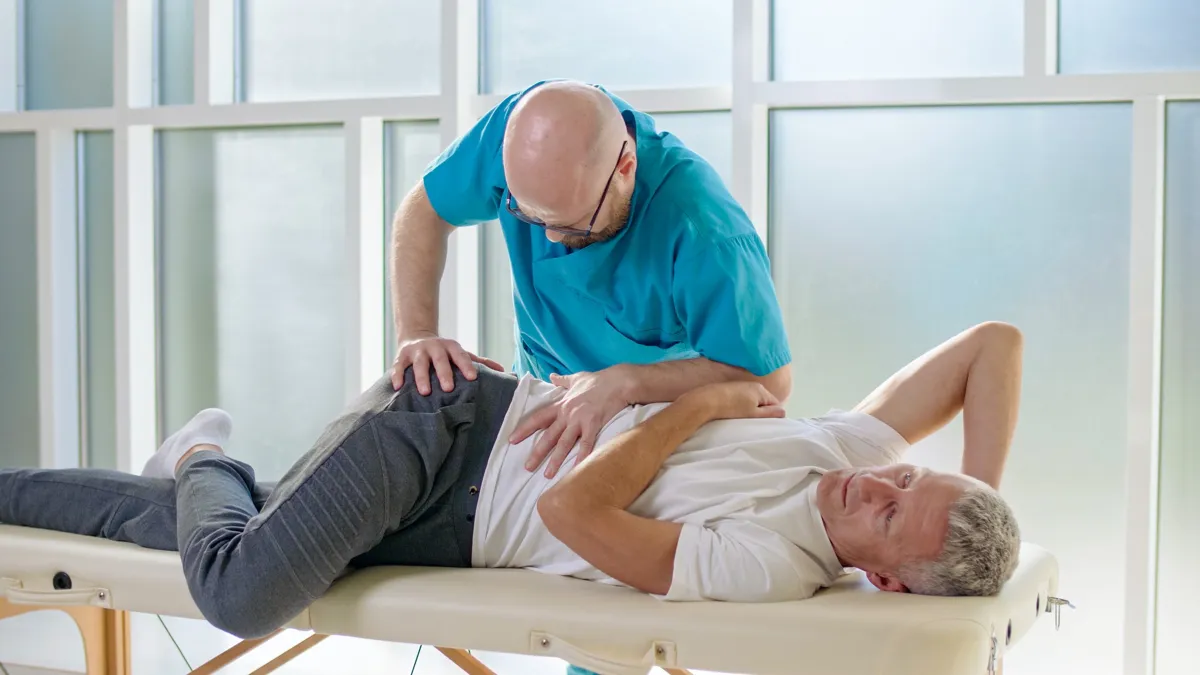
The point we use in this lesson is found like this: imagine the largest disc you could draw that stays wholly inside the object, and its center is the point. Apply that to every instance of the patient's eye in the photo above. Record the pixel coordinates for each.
(906, 480)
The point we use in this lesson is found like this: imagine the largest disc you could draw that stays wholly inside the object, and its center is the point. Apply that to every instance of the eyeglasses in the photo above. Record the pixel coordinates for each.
(515, 209)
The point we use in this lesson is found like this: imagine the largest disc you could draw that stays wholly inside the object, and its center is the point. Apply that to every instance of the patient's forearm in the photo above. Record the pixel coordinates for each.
(668, 380)
(617, 472)
(586, 509)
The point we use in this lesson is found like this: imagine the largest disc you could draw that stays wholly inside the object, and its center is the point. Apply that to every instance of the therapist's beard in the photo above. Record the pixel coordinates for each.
(620, 221)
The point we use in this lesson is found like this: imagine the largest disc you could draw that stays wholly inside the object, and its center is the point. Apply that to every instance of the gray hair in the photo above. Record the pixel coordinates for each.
(980, 551)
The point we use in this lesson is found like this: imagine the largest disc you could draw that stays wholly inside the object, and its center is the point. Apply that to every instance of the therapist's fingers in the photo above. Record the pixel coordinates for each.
(462, 360)
(547, 440)
(587, 442)
(538, 420)
(561, 449)
(420, 366)
(441, 363)
(494, 365)
(402, 364)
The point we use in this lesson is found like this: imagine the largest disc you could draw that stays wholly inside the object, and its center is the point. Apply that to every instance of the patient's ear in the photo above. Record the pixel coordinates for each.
(887, 582)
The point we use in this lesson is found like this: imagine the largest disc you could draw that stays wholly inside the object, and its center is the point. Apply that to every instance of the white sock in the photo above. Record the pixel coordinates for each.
(211, 426)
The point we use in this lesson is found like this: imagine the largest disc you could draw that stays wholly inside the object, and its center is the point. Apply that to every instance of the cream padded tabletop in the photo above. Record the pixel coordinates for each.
(850, 628)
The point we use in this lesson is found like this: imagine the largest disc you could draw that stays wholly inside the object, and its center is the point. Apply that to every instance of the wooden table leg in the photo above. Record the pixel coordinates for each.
(464, 660)
(105, 633)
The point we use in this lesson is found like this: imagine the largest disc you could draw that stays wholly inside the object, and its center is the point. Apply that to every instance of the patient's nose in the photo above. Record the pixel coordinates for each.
(874, 488)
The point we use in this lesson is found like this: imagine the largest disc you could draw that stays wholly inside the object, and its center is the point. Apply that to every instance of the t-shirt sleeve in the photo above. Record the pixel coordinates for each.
(726, 300)
(738, 561)
(466, 181)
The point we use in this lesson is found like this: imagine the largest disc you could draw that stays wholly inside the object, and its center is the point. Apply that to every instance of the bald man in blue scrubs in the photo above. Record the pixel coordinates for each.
(636, 275)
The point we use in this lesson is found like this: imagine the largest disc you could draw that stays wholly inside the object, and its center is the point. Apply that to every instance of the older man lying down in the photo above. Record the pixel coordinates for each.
(714, 496)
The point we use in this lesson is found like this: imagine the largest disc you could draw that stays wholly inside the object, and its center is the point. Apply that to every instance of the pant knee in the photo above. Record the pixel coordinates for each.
(243, 615)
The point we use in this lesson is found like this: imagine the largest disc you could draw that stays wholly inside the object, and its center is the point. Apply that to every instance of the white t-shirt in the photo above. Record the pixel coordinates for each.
(745, 491)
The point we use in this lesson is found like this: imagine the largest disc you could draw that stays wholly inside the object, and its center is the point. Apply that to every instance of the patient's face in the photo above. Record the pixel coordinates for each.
(879, 518)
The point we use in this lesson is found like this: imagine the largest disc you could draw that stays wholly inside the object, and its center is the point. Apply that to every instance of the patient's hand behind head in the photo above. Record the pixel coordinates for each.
(918, 530)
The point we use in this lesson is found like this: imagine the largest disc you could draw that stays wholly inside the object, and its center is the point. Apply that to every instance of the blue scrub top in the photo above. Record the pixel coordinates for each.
(688, 276)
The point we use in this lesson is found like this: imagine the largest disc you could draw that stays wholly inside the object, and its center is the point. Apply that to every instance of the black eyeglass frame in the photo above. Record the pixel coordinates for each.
(562, 229)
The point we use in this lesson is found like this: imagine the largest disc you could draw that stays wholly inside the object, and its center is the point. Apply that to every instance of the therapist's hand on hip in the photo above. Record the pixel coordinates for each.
(592, 399)
(423, 350)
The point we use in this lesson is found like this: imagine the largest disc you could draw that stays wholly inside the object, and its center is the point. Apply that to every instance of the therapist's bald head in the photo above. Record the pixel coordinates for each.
(562, 143)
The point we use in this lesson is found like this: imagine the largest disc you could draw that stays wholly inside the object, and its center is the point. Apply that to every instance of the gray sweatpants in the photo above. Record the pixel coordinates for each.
(392, 481)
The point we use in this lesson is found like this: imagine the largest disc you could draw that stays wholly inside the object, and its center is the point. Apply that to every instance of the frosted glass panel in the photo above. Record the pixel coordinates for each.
(621, 44)
(175, 81)
(409, 147)
(18, 302)
(881, 39)
(98, 319)
(1113, 36)
(894, 229)
(499, 323)
(709, 134)
(253, 303)
(1179, 478)
(68, 54)
(327, 49)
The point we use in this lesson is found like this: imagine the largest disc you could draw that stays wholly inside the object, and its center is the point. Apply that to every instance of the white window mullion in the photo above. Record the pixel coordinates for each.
(653, 101)
(365, 250)
(213, 52)
(1041, 38)
(460, 306)
(133, 53)
(58, 354)
(751, 65)
(11, 58)
(135, 288)
(1145, 368)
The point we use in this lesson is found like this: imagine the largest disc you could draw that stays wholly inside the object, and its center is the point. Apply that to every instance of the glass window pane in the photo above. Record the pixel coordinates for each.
(18, 302)
(880, 39)
(254, 282)
(1179, 470)
(96, 301)
(529, 40)
(709, 134)
(327, 49)
(408, 148)
(894, 229)
(1114, 36)
(499, 322)
(175, 81)
(68, 54)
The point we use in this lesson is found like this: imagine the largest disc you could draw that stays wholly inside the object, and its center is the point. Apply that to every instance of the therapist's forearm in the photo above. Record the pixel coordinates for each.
(668, 380)
(420, 239)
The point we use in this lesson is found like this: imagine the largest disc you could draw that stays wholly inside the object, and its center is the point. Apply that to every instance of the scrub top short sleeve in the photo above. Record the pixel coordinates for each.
(727, 303)
(466, 181)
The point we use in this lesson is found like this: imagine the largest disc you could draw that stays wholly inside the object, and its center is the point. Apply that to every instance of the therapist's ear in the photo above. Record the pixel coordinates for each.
(628, 164)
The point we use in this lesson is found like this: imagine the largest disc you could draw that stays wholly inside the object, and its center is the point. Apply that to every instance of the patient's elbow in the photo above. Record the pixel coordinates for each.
(558, 510)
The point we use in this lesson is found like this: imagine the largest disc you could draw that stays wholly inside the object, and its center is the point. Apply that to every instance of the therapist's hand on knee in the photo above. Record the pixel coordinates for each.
(592, 399)
(427, 350)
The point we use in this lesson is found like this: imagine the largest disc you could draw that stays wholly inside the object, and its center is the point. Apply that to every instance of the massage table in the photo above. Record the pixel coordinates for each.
(849, 628)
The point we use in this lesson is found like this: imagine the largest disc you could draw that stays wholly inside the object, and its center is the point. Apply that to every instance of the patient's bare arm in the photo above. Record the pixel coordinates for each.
(977, 372)
(586, 509)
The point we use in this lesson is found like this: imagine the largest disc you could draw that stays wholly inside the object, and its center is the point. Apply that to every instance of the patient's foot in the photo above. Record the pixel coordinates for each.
(209, 427)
